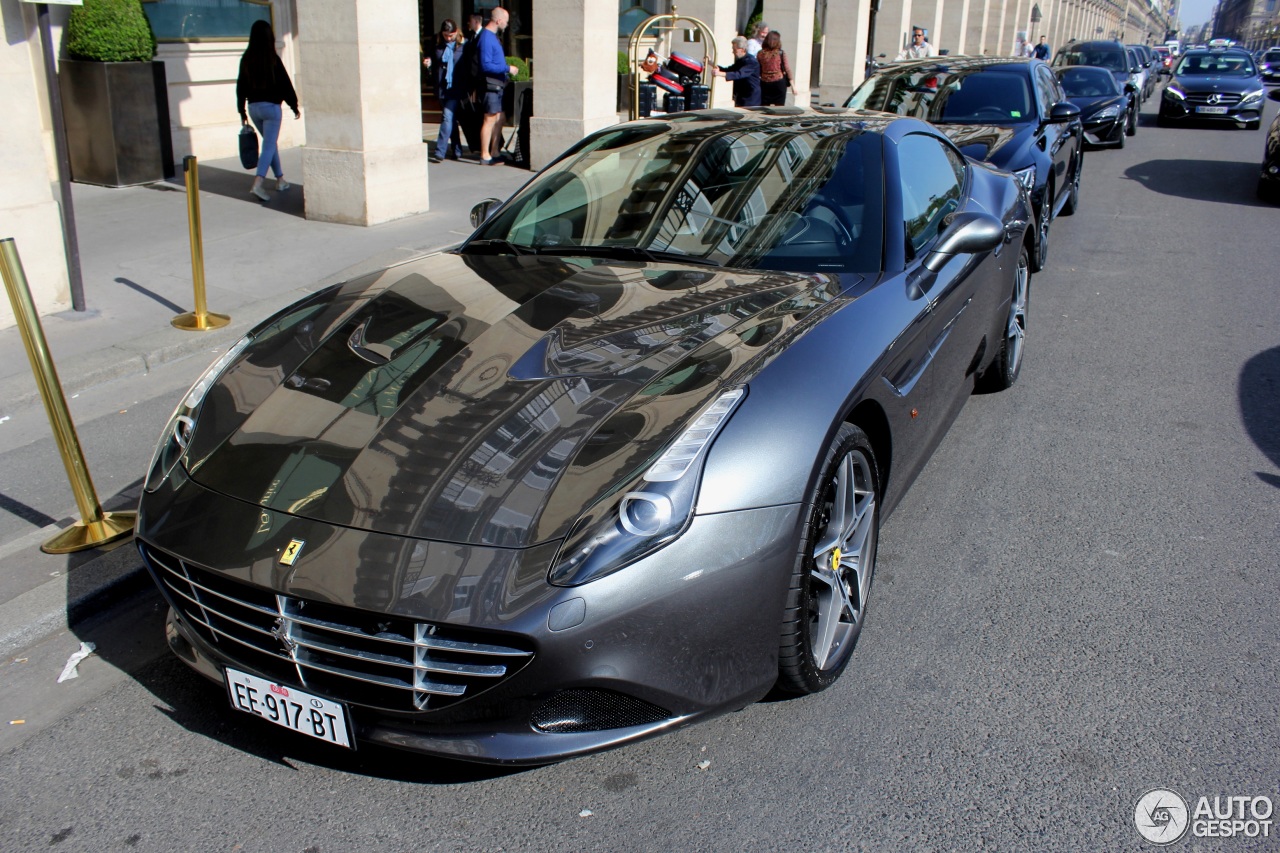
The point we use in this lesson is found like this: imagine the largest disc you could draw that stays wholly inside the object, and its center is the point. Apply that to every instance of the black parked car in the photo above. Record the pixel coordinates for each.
(1111, 55)
(1269, 180)
(1215, 84)
(616, 464)
(1012, 113)
(1108, 114)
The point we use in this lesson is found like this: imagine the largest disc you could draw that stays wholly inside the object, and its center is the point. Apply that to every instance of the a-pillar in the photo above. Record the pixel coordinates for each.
(844, 49)
(358, 81)
(718, 15)
(793, 19)
(576, 43)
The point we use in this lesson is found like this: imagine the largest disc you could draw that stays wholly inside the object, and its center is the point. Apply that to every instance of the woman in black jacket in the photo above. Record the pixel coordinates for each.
(263, 84)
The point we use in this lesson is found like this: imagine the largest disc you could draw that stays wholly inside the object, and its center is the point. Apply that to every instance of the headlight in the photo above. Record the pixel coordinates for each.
(1174, 93)
(631, 524)
(1026, 177)
(1109, 112)
(1251, 98)
(182, 423)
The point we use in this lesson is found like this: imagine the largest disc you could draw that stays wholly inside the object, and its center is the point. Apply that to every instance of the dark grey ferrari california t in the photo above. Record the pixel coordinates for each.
(615, 464)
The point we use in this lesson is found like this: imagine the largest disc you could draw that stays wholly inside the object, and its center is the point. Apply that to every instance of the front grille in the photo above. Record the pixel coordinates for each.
(584, 710)
(1225, 99)
(371, 659)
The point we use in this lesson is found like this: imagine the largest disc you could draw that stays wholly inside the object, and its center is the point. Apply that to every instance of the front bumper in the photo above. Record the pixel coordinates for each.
(1105, 132)
(685, 634)
(1172, 109)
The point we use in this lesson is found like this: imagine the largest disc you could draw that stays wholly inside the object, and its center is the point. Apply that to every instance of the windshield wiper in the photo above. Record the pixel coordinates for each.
(498, 247)
(626, 253)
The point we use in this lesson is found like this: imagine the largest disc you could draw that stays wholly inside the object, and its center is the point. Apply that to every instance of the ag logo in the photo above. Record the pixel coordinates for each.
(1161, 816)
(292, 551)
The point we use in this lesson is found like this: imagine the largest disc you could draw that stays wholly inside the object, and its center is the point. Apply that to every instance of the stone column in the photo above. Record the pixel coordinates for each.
(358, 82)
(29, 212)
(574, 74)
(794, 20)
(955, 24)
(975, 41)
(844, 49)
(893, 27)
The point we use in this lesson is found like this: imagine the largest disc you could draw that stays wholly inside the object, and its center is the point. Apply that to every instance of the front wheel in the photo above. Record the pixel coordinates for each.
(827, 597)
(1003, 372)
(1072, 204)
(1042, 231)
(1132, 128)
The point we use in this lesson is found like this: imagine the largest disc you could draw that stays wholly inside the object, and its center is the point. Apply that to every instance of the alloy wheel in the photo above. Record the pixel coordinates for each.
(1016, 328)
(843, 560)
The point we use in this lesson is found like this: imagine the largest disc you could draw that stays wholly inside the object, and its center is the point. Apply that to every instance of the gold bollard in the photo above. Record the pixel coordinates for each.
(96, 527)
(200, 319)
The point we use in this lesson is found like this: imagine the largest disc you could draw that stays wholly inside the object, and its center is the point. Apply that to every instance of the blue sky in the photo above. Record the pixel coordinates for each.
(1196, 12)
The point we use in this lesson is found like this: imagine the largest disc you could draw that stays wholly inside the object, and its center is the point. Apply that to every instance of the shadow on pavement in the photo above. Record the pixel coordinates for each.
(235, 185)
(1200, 180)
(1259, 393)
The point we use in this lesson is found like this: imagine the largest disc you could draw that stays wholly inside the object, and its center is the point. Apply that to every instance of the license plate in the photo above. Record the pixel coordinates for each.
(1214, 111)
(288, 707)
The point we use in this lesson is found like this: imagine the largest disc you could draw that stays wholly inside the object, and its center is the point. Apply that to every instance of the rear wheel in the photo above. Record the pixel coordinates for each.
(1003, 372)
(827, 599)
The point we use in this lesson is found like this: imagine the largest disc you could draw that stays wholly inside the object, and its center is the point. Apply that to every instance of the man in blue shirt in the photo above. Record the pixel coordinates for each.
(496, 72)
(1041, 51)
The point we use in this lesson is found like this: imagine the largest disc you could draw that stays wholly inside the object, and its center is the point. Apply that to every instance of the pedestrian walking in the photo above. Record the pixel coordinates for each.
(263, 84)
(444, 61)
(775, 72)
(919, 47)
(1041, 51)
(496, 73)
(745, 74)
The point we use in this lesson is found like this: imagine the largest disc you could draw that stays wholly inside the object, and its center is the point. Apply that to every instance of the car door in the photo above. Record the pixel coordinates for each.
(1057, 139)
(933, 177)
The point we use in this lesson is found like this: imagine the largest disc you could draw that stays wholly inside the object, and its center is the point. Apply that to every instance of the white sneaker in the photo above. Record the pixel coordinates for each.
(282, 184)
(260, 192)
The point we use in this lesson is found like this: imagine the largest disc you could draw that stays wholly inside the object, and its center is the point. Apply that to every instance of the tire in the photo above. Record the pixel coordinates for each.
(1268, 191)
(1120, 138)
(827, 597)
(1041, 256)
(1003, 371)
(1161, 121)
(1072, 203)
(1131, 129)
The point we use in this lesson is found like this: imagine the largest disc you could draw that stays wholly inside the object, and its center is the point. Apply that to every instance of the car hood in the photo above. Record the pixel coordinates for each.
(1214, 83)
(484, 400)
(1090, 106)
(1002, 146)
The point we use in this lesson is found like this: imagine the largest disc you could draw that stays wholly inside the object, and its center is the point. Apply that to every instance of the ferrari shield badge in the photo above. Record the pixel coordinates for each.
(292, 551)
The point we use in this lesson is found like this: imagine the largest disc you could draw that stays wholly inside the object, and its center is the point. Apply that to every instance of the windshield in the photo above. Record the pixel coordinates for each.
(1110, 58)
(1271, 57)
(1216, 64)
(804, 196)
(993, 95)
(1084, 82)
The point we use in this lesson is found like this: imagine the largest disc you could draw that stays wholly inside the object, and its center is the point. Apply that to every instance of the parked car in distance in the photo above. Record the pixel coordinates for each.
(616, 464)
(1269, 179)
(1106, 113)
(1110, 55)
(1214, 85)
(1146, 80)
(1269, 65)
(1009, 112)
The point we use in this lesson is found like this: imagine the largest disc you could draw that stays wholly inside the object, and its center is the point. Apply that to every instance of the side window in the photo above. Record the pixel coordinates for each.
(1046, 91)
(932, 181)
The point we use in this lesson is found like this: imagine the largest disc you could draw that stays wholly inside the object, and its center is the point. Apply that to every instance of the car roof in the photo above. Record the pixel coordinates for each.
(1093, 45)
(954, 63)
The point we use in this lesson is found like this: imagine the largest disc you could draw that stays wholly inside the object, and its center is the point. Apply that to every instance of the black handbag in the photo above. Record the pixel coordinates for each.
(248, 147)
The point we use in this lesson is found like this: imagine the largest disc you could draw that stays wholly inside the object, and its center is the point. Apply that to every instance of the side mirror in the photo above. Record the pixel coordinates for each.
(483, 211)
(1274, 94)
(1062, 112)
(966, 233)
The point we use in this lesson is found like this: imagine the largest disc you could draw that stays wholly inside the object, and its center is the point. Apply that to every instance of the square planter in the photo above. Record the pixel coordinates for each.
(114, 132)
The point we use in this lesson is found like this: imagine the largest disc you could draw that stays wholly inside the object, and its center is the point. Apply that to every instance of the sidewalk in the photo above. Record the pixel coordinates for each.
(136, 266)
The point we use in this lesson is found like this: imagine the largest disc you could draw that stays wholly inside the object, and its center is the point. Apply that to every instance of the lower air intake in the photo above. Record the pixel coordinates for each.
(573, 711)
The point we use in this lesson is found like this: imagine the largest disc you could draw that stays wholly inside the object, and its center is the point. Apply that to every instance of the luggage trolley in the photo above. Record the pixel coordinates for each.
(686, 81)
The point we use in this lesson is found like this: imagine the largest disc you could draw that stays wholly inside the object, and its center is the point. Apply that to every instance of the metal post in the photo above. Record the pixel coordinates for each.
(95, 527)
(64, 160)
(200, 319)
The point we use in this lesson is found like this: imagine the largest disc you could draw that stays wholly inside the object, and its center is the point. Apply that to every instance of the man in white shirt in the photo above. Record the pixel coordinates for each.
(757, 41)
(919, 48)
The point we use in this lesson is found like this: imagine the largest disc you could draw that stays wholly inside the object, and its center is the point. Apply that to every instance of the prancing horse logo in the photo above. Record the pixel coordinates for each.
(280, 630)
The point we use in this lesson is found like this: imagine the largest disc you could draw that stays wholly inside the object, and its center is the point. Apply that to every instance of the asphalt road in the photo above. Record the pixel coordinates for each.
(1074, 604)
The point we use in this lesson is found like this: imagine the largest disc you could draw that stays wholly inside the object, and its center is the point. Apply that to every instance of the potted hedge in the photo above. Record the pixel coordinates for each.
(114, 98)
